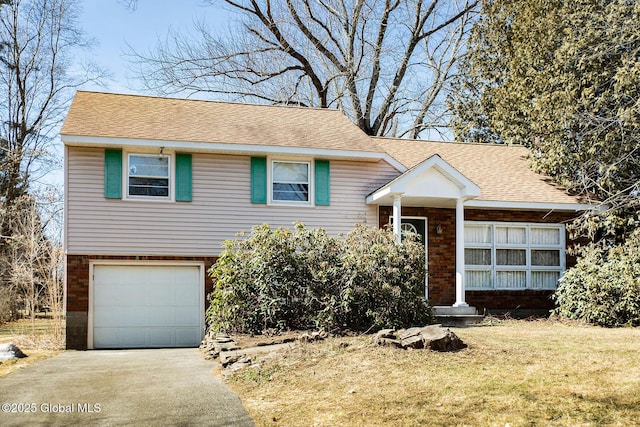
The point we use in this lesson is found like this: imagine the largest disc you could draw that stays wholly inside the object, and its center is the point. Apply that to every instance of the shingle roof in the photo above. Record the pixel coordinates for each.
(168, 119)
(502, 172)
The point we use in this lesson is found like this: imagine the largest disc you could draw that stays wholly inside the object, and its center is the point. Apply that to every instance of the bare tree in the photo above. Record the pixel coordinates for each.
(28, 251)
(35, 271)
(386, 63)
(38, 39)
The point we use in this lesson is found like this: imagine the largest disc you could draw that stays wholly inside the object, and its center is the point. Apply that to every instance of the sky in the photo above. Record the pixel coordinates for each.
(113, 26)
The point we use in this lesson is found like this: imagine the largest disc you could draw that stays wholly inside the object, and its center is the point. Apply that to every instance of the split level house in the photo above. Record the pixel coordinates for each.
(153, 186)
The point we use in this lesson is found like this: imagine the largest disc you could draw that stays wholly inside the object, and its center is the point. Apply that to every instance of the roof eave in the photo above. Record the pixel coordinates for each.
(535, 206)
(225, 148)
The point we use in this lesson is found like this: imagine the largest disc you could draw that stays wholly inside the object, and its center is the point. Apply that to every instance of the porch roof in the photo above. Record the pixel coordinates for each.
(433, 182)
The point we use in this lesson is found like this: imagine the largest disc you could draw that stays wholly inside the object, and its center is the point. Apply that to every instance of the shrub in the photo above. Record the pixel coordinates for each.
(284, 279)
(604, 286)
(383, 282)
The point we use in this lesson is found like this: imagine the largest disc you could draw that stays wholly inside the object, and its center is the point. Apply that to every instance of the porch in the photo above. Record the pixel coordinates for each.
(437, 193)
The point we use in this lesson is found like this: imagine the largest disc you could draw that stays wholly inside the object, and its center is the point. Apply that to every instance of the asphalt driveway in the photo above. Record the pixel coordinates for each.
(120, 387)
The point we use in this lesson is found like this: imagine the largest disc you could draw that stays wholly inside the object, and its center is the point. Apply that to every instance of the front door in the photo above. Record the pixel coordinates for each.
(414, 225)
(417, 225)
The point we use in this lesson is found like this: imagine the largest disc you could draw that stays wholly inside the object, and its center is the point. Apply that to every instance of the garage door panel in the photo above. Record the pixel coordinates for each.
(160, 316)
(187, 296)
(160, 337)
(129, 337)
(160, 296)
(138, 306)
(119, 295)
(108, 316)
(103, 336)
(185, 336)
(115, 275)
(187, 275)
(186, 317)
(159, 276)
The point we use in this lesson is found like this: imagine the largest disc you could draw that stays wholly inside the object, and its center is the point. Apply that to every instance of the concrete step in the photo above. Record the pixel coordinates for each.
(447, 310)
(456, 316)
(458, 319)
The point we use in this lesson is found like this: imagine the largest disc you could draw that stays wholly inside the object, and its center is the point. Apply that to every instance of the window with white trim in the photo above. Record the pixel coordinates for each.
(513, 255)
(148, 175)
(290, 181)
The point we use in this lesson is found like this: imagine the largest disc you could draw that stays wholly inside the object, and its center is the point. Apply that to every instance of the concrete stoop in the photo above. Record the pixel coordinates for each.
(456, 316)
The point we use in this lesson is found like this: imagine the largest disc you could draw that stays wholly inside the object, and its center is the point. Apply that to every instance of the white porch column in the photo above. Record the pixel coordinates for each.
(397, 217)
(460, 298)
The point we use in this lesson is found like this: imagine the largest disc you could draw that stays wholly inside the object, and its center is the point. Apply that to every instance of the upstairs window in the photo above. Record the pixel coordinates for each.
(148, 176)
(290, 181)
(298, 183)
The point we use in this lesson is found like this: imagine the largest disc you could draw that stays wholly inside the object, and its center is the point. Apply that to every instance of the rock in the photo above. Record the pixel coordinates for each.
(215, 342)
(239, 363)
(10, 351)
(441, 339)
(221, 337)
(313, 336)
(408, 333)
(432, 337)
(387, 337)
(386, 333)
(414, 341)
(227, 359)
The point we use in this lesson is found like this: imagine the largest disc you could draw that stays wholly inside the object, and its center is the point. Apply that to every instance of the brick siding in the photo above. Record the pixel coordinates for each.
(442, 255)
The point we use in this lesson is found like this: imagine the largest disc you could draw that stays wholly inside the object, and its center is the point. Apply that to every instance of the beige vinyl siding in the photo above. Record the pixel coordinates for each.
(221, 207)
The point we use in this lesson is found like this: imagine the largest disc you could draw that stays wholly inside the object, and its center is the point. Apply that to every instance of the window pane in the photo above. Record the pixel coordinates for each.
(477, 279)
(291, 172)
(511, 279)
(545, 236)
(477, 256)
(148, 187)
(515, 235)
(549, 257)
(407, 228)
(511, 257)
(150, 166)
(477, 234)
(291, 192)
(544, 279)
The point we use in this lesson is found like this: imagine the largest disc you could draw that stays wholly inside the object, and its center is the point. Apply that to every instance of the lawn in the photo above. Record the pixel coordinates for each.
(516, 373)
(37, 340)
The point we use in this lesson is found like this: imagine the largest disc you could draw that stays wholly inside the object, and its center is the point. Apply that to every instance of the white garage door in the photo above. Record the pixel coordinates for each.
(138, 306)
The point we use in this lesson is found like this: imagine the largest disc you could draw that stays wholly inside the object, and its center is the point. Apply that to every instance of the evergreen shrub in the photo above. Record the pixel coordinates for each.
(604, 286)
(302, 278)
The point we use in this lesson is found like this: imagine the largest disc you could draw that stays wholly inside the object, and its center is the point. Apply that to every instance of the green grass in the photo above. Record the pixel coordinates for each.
(515, 373)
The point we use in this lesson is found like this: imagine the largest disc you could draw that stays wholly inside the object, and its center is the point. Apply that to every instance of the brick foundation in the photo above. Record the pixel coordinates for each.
(442, 256)
(77, 290)
(77, 330)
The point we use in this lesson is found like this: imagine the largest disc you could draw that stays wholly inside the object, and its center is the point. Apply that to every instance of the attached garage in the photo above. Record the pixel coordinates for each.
(146, 306)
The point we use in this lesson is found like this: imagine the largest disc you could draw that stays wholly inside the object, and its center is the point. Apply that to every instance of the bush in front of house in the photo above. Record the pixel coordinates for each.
(604, 286)
(298, 279)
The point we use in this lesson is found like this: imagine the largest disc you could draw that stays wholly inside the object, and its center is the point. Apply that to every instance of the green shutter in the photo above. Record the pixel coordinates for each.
(323, 183)
(113, 174)
(258, 180)
(183, 177)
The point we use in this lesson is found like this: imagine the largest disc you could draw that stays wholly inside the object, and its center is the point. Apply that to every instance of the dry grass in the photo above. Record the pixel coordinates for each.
(37, 341)
(514, 373)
